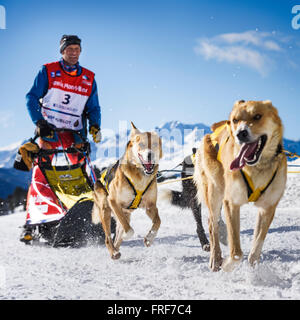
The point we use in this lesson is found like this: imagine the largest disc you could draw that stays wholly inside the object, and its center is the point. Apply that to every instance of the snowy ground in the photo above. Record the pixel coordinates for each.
(175, 267)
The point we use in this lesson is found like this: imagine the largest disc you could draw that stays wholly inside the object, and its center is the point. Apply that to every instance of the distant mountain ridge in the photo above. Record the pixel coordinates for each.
(112, 147)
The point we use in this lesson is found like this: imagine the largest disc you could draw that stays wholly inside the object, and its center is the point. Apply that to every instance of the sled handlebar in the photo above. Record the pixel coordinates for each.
(83, 149)
(64, 130)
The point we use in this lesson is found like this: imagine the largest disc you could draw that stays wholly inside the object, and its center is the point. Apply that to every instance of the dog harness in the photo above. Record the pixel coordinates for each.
(214, 136)
(107, 176)
(138, 194)
(253, 194)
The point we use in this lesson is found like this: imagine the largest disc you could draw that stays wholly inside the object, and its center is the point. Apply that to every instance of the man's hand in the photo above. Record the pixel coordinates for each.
(96, 133)
(44, 129)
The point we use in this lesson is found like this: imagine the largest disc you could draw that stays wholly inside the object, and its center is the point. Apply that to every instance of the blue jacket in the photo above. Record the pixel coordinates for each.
(39, 89)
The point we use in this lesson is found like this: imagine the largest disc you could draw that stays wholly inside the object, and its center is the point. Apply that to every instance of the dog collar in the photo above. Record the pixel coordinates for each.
(254, 194)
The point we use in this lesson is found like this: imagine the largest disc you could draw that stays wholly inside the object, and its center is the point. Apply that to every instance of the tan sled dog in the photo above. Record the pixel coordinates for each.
(240, 162)
(129, 184)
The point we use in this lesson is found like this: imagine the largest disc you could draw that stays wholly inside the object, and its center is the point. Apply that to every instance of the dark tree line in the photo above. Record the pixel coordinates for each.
(14, 200)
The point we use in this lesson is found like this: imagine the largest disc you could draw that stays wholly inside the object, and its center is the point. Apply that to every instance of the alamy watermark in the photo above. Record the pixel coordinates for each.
(176, 141)
(2, 17)
(296, 18)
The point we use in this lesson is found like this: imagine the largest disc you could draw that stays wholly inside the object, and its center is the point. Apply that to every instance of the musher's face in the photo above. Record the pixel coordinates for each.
(71, 54)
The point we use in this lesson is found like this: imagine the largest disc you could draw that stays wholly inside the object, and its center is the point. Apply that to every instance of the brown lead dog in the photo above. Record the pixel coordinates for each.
(128, 184)
(240, 162)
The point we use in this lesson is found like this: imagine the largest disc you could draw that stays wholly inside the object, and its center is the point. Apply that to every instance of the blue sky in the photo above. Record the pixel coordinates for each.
(156, 61)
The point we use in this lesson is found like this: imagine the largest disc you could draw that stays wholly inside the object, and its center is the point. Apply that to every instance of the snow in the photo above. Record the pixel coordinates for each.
(174, 267)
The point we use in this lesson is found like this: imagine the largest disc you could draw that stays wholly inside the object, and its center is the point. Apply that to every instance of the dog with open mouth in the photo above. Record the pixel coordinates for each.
(129, 184)
(240, 162)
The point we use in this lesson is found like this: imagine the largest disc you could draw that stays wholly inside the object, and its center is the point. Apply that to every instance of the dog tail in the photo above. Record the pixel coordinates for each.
(211, 160)
(207, 167)
(178, 199)
(174, 197)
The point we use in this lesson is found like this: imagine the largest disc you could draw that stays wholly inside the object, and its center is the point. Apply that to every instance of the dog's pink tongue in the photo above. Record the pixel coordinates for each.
(148, 165)
(247, 151)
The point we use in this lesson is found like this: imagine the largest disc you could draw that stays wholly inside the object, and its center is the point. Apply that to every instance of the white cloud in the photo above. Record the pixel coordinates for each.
(233, 54)
(272, 45)
(6, 119)
(251, 48)
(255, 38)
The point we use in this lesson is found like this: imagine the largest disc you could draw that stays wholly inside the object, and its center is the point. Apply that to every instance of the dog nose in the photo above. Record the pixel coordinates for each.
(150, 156)
(243, 135)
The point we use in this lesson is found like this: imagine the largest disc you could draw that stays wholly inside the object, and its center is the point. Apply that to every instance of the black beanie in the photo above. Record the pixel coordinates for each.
(67, 40)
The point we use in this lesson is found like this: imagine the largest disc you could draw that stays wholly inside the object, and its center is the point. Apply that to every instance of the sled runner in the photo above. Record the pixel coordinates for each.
(60, 197)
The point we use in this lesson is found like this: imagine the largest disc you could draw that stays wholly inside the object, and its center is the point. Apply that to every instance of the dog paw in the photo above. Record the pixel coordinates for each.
(215, 264)
(253, 260)
(116, 256)
(206, 247)
(129, 234)
(230, 263)
(148, 240)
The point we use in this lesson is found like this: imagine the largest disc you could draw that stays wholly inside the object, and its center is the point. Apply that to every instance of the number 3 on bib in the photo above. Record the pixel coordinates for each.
(67, 99)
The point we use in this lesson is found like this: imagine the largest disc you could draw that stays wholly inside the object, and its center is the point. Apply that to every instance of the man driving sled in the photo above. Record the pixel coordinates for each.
(64, 96)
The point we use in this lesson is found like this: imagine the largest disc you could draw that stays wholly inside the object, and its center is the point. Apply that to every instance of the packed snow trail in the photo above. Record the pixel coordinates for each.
(174, 267)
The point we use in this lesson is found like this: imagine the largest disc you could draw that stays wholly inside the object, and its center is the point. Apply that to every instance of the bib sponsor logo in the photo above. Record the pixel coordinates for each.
(88, 83)
(69, 86)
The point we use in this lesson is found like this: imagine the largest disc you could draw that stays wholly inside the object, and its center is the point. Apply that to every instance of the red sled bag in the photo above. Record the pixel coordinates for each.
(42, 203)
(59, 180)
(60, 197)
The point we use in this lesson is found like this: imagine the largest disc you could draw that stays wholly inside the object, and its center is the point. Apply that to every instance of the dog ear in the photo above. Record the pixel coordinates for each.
(267, 102)
(133, 127)
(219, 124)
(238, 102)
(134, 130)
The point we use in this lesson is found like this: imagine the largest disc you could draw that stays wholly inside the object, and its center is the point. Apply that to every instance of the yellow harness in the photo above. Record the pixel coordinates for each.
(214, 141)
(138, 194)
(106, 178)
(253, 194)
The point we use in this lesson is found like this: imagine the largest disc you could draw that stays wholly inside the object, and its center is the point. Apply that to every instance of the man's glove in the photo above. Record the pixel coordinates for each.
(44, 129)
(96, 133)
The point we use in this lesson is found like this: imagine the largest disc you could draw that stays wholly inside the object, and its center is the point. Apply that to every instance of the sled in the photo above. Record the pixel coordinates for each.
(60, 197)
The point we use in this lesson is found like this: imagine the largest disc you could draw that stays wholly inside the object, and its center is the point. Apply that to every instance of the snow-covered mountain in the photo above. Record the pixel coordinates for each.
(8, 154)
(178, 140)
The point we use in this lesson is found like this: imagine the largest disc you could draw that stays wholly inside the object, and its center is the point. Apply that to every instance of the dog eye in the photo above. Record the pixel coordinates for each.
(141, 145)
(257, 117)
(235, 121)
